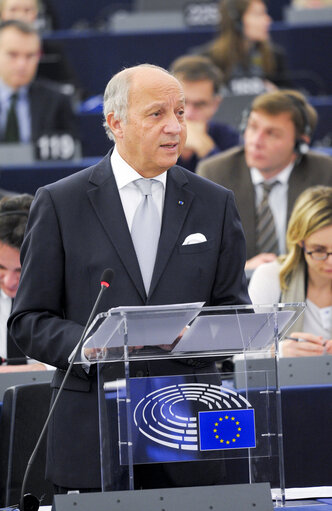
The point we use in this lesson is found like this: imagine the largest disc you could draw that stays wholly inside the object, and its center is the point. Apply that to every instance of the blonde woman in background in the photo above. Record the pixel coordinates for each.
(304, 274)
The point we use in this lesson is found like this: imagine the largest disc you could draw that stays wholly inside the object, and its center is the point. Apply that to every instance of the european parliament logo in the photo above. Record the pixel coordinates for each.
(174, 418)
(227, 429)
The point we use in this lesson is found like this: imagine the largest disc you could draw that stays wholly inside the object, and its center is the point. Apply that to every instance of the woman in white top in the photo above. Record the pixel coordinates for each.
(304, 274)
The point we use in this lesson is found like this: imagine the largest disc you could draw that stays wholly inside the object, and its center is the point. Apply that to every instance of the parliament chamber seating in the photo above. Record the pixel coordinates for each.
(23, 413)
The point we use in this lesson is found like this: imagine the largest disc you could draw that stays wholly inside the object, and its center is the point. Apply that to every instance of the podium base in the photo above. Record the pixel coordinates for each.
(235, 497)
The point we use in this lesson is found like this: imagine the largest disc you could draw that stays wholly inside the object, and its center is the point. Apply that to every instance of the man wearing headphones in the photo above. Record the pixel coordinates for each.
(272, 168)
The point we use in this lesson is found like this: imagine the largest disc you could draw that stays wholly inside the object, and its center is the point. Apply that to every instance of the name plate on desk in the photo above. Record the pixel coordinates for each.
(54, 147)
(200, 14)
(57, 146)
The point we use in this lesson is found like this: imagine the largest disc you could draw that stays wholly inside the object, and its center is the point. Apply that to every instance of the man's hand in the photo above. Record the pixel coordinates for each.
(198, 140)
(328, 347)
(308, 345)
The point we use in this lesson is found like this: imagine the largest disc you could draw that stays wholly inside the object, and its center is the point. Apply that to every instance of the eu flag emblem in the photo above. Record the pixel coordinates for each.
(227, 429)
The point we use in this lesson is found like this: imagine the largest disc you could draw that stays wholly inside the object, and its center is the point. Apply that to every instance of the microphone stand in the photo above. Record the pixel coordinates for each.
(31, 504)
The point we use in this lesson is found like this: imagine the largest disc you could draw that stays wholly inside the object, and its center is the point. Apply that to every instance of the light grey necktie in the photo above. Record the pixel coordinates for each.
(145, 231)
(266, 235)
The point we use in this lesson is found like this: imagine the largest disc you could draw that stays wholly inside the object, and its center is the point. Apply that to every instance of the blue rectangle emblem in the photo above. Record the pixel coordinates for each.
(227, 429)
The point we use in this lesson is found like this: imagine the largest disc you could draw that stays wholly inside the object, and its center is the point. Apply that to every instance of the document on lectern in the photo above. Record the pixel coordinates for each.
(147, 325)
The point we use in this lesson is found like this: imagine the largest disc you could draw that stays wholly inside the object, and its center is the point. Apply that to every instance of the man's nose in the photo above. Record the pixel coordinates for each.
(258, 137)
(173, 124)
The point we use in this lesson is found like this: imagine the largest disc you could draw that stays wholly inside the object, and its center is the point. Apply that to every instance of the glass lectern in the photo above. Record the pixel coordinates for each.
(165, 396)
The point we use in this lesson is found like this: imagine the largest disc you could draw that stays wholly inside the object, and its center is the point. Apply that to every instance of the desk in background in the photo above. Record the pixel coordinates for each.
(20, 378)
(28, 178)
(67, 12)
(96, 56)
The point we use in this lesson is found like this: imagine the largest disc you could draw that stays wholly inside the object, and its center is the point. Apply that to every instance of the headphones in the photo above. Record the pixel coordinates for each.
(234, 14)
(300, 146)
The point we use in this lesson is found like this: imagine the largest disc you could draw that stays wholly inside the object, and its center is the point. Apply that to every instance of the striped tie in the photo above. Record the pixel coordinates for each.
(266, 236)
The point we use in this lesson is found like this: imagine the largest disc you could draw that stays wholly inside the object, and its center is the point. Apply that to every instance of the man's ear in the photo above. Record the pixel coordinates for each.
(115, 125)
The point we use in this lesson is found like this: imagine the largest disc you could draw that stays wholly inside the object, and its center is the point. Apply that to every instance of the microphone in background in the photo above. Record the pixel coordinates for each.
(29, 502)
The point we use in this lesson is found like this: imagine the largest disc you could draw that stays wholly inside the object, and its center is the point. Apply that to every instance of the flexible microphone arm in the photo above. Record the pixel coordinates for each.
(31, 501)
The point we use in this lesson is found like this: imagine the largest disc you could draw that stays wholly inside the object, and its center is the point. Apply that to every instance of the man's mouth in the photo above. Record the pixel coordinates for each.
(170, 145)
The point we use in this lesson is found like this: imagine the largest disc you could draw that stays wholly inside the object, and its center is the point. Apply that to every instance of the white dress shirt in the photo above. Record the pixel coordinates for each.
(130, 195)
(277, 200)
(22, 110)
(5, 308)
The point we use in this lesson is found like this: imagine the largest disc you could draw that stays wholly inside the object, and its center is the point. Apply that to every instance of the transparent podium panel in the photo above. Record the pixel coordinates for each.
(173, 412)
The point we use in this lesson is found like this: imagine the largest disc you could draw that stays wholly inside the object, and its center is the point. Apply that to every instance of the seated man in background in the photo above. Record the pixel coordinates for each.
(28, 109)
(272, 168)
(201, 81)
(53, 63)
(13, 218)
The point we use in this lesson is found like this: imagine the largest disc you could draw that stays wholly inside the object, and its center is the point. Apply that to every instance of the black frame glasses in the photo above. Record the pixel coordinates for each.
(317, 255)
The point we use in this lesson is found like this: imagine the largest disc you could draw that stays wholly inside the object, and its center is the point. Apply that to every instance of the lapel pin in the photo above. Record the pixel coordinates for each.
(180, 202)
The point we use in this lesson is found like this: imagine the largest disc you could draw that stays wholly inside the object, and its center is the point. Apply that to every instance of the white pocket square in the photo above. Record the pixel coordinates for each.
(193, 239)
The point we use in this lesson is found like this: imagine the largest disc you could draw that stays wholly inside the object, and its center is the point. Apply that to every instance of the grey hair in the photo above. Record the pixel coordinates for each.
(117, 94)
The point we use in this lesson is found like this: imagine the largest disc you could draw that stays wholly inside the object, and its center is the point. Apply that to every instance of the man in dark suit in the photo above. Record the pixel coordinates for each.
(277, 132)
(40, 109)
(83, 224)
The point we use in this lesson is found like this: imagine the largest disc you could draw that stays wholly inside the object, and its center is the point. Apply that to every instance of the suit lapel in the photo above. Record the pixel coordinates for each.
(105, 199)
(299, 180)
(178, 201)
(35, 111)
(245, 200)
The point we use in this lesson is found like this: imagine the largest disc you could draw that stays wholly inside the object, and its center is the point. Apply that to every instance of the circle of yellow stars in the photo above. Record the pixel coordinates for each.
(237, 428)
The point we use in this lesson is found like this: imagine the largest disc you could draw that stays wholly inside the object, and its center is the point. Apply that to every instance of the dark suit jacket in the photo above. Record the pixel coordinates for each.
(76, 229)
(229, 169)
(51, 111)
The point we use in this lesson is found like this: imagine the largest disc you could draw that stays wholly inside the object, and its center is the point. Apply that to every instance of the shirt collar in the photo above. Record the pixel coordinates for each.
(4, 296)
(124, 174)
(6, 91)
(282, 177)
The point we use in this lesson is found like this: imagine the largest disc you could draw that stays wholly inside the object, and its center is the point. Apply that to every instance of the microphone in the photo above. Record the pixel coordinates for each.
(29, 502)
